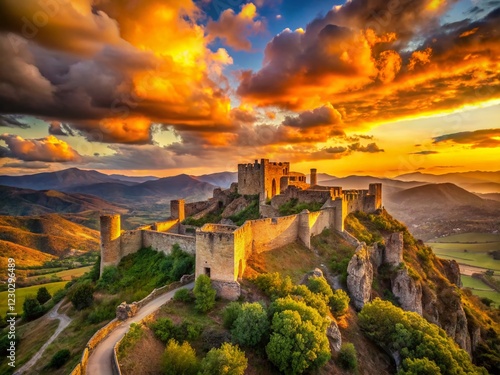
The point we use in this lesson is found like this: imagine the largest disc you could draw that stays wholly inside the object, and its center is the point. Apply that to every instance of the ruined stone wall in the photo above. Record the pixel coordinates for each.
(243, 247)
(320, 220)
(162, 241)
(171, 226)
(303, 196)
(250, 178)
(376, 190)
(177, 209)
(271, 233)
(193, 208)
(131, 241)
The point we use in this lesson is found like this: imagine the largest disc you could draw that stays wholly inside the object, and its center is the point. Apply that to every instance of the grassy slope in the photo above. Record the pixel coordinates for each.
(33, 335)
(22, 293)
(65, 275)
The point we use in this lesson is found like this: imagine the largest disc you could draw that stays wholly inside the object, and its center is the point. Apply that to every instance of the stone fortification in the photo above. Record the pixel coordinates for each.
(222, 250)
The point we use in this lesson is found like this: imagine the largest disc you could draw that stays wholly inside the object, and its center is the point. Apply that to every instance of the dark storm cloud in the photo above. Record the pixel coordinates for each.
(478, 138)
(12, 121)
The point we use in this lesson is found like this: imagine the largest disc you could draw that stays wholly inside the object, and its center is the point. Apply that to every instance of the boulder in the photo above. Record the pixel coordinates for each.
(333, 333)
(238, 205)
(360, 277)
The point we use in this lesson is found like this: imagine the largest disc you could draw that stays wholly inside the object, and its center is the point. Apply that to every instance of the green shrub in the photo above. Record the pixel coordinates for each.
(318, 284)
(32, 308)
(293, 207)
(110, 275)
(183, 295)
(43, 295)
(339, 303)
(163, 328)
(419, 366)
(82, 296)
(179, 359)
(60, 358)
(102, 312)
(204, 294)
(348, 358)
(273, 285)
(227, 360)
(251, 326)
(296, 344)
(230, 314)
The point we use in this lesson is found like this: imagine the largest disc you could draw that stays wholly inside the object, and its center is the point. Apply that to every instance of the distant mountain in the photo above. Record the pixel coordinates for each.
(136, 179)
(221, 179)
(49, 234)
(16, 201)
(60, 180)
(476, 181)
(432, 210)
(157, 191)
(436, 195)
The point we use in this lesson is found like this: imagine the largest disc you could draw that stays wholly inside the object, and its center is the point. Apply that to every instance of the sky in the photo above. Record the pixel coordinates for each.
(163, 87)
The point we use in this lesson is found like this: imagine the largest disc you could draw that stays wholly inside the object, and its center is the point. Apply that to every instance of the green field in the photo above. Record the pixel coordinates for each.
(481, 289)
(469, 248)
(66, 275)
(21, 294)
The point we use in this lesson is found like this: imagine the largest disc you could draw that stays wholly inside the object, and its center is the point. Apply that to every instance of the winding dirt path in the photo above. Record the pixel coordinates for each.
(64, 321)
(101, 360)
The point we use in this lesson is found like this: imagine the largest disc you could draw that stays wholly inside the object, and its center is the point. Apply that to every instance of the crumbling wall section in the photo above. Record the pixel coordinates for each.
(161, 241)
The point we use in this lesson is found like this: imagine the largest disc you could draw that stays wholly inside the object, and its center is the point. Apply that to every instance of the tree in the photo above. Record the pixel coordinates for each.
(296, 344)
(339, 303)
(227, 360)
(419, 366)
(230, 314)
(348, 358)
(32, 308)
(179, 359)
(82, 296)
(43, 295)
(60, 358)
(251, 325)
(204, 294)
(318, 284)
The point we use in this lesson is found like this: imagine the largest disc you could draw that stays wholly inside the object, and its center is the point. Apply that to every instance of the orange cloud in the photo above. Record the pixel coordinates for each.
(234, 29)
(48, 149)
(420, 58)
(484, 138)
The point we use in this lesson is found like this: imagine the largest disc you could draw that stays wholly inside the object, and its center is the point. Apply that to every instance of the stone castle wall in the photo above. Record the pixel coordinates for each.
(166, 226)
(250, 178)
(161, 241)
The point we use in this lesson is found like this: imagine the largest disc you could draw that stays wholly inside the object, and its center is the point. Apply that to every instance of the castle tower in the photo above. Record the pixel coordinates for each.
(314, 177)
(177, 210)
(110, 240)
(376, 190)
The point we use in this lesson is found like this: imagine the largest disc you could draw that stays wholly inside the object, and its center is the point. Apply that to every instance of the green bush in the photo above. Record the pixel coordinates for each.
(110, 275)
(179, 359)
(82, 296)
(317, 301)
(419, 366)
(348, 358)
(251, 326)
(296, 344)
(227, 360)
(183, 295)
(293, 207)
(230, 314)
(339, 303)
(32, 308)
(43, 295)
(318, 284)
(204, 294)
(165, 330)
(60, 358)
(273, 285)
(102, 312)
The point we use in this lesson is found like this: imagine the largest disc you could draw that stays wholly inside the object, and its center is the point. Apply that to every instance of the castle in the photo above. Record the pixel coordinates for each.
(222, 250)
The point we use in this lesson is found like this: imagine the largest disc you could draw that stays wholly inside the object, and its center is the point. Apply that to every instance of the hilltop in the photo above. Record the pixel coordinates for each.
(20, 202)
(39, 238)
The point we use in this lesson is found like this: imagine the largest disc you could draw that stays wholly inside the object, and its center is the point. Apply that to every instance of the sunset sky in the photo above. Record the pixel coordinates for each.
(162, 87)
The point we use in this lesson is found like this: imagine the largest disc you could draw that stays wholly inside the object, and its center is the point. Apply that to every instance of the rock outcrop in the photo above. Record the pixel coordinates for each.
(333, 333)
(407, 291)
(393, 253)
(452, 271)
(360, 277)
